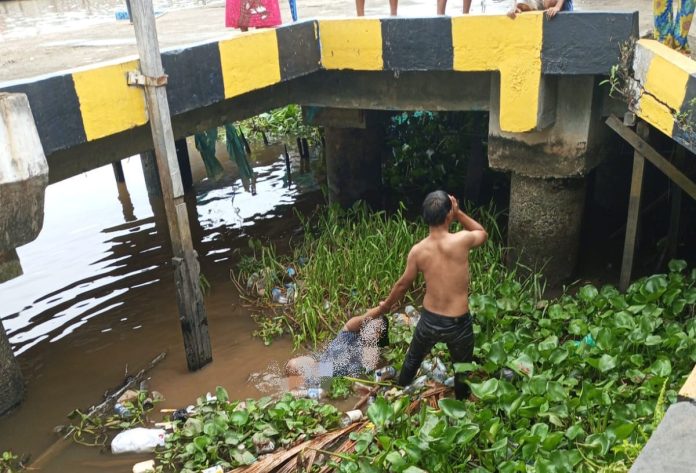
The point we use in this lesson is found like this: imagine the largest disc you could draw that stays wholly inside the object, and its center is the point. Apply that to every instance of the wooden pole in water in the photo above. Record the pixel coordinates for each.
(192, 313)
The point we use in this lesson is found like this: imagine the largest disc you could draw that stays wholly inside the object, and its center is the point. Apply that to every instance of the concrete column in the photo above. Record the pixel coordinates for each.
(548, 172)
(10, 266)
(12, 386)
(23, 181)
(152, 180)
(354, 143)
(545, 222)
(182, 156)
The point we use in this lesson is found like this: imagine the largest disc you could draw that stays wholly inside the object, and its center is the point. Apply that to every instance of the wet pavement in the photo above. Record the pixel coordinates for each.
(97, 297)
(46, 36)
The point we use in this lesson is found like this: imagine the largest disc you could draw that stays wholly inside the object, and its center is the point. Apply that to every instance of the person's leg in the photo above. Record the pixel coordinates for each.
(360, 7)
(300, 365)
(664, 26)
(393, 4)
(682, 24)
(460, 343)
(441, 6)
(467, 6)
(421, 344)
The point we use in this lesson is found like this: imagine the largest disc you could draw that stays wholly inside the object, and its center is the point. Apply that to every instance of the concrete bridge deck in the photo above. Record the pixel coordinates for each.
(89, 117)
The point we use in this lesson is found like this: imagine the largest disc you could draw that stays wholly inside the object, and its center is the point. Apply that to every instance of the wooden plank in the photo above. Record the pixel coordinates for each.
(633, 213)
(192, 314)
(653, 156)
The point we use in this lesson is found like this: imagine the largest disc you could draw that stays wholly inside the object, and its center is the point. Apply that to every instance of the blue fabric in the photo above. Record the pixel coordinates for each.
(293, 9)
(567, 6)
(343, 356)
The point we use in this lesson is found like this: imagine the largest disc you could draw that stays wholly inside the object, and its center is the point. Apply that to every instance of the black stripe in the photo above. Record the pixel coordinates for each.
(417, 44)
(195, 77)
(684, 131)
(585, 43)
(298, 49)
(56, 111)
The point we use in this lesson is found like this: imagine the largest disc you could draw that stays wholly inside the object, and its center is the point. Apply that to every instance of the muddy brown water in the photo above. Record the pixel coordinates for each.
(97, 297)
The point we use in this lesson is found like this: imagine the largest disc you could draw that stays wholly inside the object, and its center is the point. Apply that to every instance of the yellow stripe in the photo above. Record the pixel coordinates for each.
(107, 103)
(513, 47)
(665, 85)
(249, 62)
(351, 44)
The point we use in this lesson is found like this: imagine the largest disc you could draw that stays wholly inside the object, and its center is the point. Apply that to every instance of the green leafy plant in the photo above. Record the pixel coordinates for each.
(10, 463)
(280, 123)
(93, 430)
(234, 433)
(341, 388)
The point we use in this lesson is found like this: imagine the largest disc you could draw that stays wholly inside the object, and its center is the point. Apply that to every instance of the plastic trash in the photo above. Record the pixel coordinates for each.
(291, 291)
(138, 440)
(128, 396)
(309, 393)
(449, 382)
(291, 272)
(410, 311)
(385, 373)
(144, 467)
(122, 411)
(302, 260)
(417, 383)
(507, 374)
(277, 296)
(587, 340)
(351, 417)
(214, 469)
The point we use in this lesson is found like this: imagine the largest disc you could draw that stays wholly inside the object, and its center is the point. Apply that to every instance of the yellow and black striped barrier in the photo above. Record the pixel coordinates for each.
(663, 92)
(95, 102)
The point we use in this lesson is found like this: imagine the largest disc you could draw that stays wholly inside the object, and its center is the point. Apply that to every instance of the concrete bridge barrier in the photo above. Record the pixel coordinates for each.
(539, 80)
(23, 181)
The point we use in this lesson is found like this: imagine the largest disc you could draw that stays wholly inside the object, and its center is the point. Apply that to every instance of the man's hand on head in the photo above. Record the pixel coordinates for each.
(455, 203)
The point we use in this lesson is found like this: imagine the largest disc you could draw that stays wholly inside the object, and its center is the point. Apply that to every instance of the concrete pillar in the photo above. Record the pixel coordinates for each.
(23, 181)
(182, 156)
(354, 143)
(548, 173)
(12, 386)
(545, 222)
(10, 266)
(150, 173)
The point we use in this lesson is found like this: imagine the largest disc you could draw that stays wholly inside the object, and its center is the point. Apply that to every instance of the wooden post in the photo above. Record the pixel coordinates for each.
(118, 171)
(633, 211)
(192, 314)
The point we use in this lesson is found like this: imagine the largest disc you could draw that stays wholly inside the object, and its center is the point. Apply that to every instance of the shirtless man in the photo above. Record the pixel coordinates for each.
(551, 7)
(443, 258)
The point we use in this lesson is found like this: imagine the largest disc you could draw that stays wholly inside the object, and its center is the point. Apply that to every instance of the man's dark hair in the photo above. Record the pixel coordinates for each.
(436, 206)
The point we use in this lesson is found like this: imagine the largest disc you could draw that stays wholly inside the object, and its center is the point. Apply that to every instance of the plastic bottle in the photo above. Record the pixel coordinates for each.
(415, 385)
(315, 393)
(291, 291)
(278, 296)
(449, 382)
(213, 469)
(351, 417)
(122, 411)
(385, 373)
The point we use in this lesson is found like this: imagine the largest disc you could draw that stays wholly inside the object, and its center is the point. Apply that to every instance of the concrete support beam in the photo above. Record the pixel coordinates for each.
(571, 147)
(354, 162)
(545, 222)
(12, 386)
(10, 267)
(150, 173)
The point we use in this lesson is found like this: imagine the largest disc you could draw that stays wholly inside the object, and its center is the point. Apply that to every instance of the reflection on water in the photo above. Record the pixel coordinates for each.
(94, 247)
(97, 295)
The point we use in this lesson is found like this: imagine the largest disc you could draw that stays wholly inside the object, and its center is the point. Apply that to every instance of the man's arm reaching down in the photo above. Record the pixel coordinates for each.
(396, 294)
(475, 234)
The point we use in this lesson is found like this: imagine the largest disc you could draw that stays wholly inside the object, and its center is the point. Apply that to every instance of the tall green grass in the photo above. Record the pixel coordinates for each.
(353, 258)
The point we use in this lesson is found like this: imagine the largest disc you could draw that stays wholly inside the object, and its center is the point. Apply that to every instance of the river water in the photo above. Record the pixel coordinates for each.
(97, 295)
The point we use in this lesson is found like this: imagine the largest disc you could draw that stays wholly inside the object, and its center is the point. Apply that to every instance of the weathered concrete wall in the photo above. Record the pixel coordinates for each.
(544, 224)
(663, 91)
(353, 157)
(12, 385)
(23, 174)
(83, 108)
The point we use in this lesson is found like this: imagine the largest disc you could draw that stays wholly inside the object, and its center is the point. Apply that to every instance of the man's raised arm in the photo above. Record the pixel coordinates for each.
(475, 229)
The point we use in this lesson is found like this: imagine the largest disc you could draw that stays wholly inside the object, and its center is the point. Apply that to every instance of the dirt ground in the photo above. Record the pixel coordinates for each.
(69, 46)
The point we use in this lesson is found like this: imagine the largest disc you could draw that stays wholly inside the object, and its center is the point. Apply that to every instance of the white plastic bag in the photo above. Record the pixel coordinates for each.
(138, 440)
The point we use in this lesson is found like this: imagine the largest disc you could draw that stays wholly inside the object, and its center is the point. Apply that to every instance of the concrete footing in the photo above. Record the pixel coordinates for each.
(545, 221)
(10, 266)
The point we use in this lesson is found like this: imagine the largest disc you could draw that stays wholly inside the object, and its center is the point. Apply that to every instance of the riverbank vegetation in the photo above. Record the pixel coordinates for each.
(574, 383)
